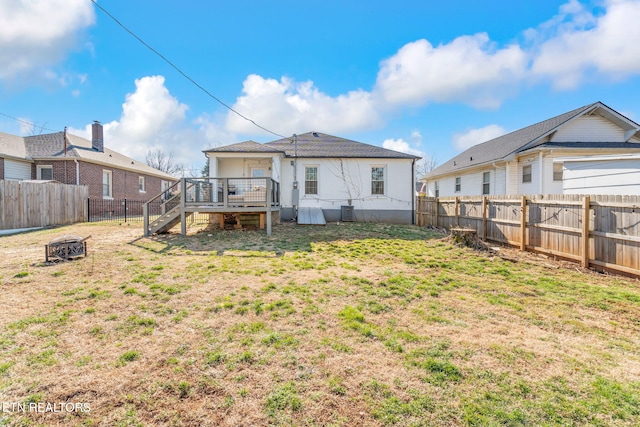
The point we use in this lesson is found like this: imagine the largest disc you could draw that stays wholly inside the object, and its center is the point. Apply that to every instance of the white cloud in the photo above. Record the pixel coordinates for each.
(470, 69)
(472, 137)
(37, 34)
(416, 137)
(153, 119)
(402, 146)
(577, 42)
(288, 107)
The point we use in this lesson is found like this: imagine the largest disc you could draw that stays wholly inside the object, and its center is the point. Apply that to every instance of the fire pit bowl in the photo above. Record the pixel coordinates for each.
(66, 247)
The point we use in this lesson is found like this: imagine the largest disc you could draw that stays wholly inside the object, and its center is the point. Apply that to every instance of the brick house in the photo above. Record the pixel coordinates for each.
(70, 159)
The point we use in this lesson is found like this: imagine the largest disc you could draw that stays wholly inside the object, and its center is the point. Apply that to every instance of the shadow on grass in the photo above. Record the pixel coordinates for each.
(285, 237)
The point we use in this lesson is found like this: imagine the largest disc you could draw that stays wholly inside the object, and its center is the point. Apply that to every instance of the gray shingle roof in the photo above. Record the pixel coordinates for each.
(316, 144)
(243, 147)
(52, 145)
(511, 143)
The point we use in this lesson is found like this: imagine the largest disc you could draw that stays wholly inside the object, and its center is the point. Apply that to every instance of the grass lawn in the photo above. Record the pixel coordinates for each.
(343, 325)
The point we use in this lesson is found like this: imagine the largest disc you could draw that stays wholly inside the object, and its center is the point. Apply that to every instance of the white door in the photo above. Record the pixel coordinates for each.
(258, 172)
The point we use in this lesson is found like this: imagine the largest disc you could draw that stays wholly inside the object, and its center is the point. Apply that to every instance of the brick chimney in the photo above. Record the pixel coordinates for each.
(97, 138)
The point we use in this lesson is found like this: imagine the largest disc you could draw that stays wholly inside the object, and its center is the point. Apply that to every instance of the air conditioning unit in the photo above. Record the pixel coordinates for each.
(346, 213)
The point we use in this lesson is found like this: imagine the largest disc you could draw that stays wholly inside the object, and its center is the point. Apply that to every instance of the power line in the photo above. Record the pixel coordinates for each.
(134, 35)
(33, 125)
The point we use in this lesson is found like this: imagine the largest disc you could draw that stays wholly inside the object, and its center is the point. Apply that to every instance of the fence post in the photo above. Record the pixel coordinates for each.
(586, 205)
(88, 209)
(523, 224)
(484, 218)
(125, 209)
(145, 219)
(457, 209)
(437, 210)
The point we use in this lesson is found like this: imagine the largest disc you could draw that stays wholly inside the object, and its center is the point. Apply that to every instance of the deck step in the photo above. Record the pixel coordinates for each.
(166, 222)
(311, 216)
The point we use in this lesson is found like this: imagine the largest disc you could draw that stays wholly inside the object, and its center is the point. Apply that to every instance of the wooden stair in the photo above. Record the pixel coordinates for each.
(166, 221)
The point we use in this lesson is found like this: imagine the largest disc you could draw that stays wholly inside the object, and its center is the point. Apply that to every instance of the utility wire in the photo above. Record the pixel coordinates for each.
(134, 35)
(33, 125)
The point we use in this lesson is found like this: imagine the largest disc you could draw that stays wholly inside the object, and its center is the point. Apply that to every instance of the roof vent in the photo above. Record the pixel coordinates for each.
(471, 159)
(315, 134)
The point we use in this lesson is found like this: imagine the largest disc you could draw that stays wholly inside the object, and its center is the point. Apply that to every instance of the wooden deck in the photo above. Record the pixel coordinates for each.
(211, 195)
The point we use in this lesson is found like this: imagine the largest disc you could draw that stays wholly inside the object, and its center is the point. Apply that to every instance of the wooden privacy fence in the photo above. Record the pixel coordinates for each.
(598, 231)
(26, 204)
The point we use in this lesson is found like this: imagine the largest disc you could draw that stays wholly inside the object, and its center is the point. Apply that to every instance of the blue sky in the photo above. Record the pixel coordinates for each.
(426, 77)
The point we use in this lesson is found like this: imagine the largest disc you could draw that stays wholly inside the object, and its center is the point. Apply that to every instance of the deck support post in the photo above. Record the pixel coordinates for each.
(183, 198)
(268, 202)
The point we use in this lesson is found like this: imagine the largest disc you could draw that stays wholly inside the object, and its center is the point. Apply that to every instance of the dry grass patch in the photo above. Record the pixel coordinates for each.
(357, 324)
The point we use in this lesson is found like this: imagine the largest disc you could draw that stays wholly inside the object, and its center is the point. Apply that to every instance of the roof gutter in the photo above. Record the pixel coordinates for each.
(160, 174)
(10, 157)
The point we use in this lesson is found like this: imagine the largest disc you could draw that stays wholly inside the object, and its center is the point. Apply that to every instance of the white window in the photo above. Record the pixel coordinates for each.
(141, 187)
(258, 173)
(311, 180)
(558, 171)
(486, 183)
(107, 184)
(526, 174)
(458, 184)
(45, 172)
(377, 180)
(437, 188)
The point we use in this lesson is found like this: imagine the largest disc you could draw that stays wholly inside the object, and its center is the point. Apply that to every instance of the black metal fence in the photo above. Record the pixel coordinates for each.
(126, 211)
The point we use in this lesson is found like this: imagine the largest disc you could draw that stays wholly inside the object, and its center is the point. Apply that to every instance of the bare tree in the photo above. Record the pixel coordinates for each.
(164, 162)
(425, 165)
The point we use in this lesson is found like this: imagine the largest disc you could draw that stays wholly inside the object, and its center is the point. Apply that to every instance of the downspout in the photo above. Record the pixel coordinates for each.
(541, 160)
(413, 192)
(77, 171)
(66, 176)
(295, 193)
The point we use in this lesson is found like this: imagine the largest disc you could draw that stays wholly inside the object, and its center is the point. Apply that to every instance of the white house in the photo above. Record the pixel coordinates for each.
(337, 175)
(590, 150)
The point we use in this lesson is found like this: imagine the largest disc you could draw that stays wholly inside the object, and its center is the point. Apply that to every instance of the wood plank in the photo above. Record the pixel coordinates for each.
(555, 253)
(612, 266)
(556, 225)
(585, 233)
(37, 204)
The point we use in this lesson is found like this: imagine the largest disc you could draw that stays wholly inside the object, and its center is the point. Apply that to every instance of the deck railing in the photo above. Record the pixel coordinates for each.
(231, 192)
(211, 194)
